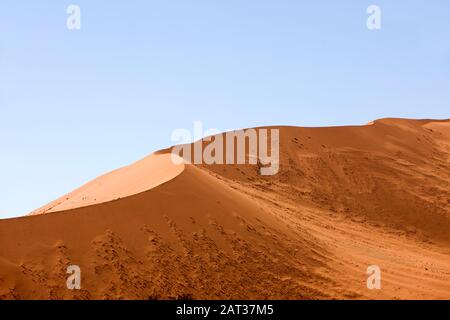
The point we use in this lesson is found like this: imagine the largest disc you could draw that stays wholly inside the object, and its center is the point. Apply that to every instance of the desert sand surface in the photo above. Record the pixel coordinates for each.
(124, 182)
(344, 198)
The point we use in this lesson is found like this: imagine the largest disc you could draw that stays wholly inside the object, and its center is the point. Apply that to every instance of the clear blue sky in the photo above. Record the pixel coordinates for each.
(75, 104)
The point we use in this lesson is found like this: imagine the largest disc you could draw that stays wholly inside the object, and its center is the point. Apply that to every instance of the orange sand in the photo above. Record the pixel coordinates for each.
(345, 198)
(124, 182)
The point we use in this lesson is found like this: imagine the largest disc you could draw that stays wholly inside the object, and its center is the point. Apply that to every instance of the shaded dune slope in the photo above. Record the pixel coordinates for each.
(345, 198)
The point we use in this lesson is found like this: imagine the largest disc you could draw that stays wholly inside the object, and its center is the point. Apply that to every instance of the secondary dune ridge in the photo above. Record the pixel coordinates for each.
(124, 182)
(344, 198)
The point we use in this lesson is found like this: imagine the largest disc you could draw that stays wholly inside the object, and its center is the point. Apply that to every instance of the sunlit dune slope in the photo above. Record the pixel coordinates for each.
(133, 179)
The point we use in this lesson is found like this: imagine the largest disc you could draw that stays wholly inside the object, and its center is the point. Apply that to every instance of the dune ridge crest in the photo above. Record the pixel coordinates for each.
(138, 177)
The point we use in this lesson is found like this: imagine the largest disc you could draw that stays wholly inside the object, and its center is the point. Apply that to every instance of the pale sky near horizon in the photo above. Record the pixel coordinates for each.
(76, 104)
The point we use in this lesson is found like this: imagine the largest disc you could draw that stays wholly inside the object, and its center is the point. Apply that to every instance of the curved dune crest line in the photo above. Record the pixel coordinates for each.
(138, 177)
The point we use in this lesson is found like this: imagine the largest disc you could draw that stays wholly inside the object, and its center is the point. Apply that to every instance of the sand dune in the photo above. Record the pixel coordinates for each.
(141, 176)
(345, 198)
